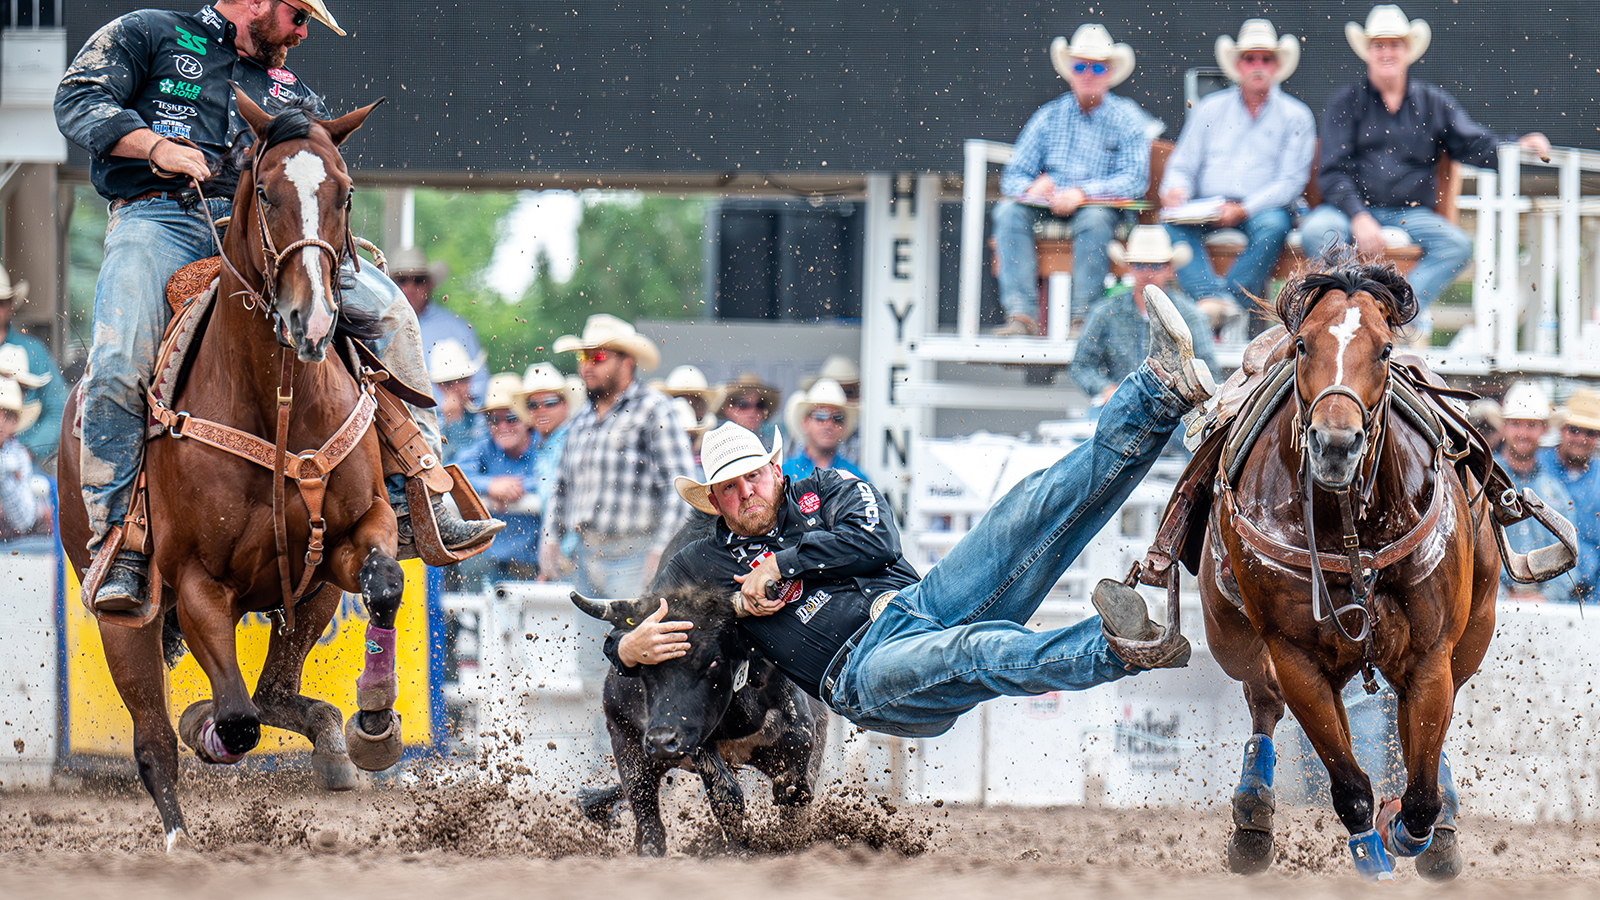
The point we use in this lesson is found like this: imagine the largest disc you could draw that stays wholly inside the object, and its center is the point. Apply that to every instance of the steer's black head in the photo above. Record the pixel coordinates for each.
(687, 696)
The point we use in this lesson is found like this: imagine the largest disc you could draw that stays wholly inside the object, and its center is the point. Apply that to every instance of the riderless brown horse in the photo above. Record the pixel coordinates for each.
(1347, 540)
(263, 370)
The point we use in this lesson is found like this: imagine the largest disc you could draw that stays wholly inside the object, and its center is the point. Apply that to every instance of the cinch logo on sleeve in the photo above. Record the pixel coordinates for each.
(870, 514)
(194, 42)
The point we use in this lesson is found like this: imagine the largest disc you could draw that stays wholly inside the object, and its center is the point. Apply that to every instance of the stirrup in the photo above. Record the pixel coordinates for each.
(1541, 563)
(95, 576)
(425, 528)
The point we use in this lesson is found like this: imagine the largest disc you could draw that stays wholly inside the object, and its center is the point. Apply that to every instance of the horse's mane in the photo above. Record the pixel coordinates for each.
(1344, 270)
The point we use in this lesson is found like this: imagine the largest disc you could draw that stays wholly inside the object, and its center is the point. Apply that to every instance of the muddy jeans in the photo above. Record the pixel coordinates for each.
(146, 242)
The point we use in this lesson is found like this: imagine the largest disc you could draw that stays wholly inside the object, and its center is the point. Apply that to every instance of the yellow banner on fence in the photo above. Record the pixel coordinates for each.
(97, 722)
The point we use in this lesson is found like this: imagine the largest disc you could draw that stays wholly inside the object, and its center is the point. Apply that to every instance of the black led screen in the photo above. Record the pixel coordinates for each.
(720, 87)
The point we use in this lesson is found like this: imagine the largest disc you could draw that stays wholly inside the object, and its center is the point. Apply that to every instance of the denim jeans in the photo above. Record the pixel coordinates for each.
(145, 243)
(1019, 261)
(1445, 248)
(1265, 232)
(959, 636)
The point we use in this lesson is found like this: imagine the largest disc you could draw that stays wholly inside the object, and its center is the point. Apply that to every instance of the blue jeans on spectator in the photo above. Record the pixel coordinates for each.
(1019, 261)
(959, 636)
(1264, 230)
(1445, 248)
(145, 243)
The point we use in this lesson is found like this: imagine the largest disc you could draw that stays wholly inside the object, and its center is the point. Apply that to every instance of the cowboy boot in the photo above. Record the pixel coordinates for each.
(1123, 618)
(455, 532)
(1171, 354)
(123, 587)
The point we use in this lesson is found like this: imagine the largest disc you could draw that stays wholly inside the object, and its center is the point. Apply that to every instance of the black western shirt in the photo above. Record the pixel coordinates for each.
(837, 548)
(169, 72)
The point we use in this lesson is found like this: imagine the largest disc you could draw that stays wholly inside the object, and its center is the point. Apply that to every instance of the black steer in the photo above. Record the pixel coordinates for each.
(719, 706)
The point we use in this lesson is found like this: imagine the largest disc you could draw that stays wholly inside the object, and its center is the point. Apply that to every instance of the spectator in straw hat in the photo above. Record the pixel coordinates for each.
(504, 469)
(823, 418)
(418, 278)
(1526, 409)
(844, 370)
(1571, 461)
(689, 383)
(1484, 414)
(19, 507)
(1079, 149)
(1119, 327)
(1252, 146)
(36, 372)
(751, 402)
(623, 449)
(550, 409)
(1381, 139)
(451, 370)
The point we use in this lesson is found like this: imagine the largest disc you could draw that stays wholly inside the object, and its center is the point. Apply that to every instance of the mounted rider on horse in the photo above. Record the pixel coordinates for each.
(149, 98)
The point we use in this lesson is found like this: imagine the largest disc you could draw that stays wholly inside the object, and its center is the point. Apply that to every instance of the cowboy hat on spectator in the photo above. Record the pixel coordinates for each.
(1527, 401)
(14, 365)
(11, 398)
(728, 452)
(577, 392)
(542, 378)
(450, 362)
(506, 392)
(1582, 410)
(1258, 34)
(604, 331)
(1093, 42)
(1150, 245)
(687, 380)
(826, 392)
(10, 290)
(750, 381)
(842, 369)
(1388, 21)
(412, 261)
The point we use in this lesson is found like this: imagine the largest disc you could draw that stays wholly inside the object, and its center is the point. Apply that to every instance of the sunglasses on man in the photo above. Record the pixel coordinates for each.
(412, 279)
(546, 403)
(1147, 267)
(501, 419)
(301, 16)
(1581, 432)
(1096, 68)
(748, 403)
(836, 418)
(596, 357)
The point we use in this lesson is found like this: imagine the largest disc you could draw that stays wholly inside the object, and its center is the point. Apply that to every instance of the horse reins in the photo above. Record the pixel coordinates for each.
(311, 468)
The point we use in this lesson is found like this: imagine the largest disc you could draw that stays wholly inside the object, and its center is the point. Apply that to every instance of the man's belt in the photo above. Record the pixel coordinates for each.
(147, 195)
(830, 676)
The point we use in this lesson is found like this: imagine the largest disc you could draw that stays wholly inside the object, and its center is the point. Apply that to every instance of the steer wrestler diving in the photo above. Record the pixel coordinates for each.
(851, 623)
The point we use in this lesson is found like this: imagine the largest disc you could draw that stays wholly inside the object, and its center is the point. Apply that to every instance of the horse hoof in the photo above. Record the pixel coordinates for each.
(1249, 852)
(206, 738)
(335, 772)
(178, 843)
(373, 753)
(1442, 860)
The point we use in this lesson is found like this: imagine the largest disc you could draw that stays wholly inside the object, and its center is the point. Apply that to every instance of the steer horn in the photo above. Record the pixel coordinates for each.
(620, 613)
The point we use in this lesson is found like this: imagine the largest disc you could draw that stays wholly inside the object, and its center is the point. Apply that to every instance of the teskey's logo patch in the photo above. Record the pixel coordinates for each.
(810, 503)
(283, 76)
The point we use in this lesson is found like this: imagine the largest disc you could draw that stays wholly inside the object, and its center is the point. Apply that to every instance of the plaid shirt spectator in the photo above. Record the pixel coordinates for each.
(616, 473)
(1105, 153)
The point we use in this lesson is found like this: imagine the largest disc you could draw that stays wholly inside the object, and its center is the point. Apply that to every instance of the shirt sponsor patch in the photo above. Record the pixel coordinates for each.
(176, 110)
(170, 129)
(870, 513)
(210, 17)
(281, 75)
(188, 66)
(283, 93)
(813, 603)
(190, 41)
(810, 503)
(179, 89)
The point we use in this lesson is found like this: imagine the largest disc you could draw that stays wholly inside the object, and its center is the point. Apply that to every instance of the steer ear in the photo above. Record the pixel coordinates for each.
(621, 613)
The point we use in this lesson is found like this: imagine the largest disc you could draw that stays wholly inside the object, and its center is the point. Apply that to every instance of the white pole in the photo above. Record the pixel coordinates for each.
(1571, 253)
(974, 193)
(1507, 302)
(1485, 285)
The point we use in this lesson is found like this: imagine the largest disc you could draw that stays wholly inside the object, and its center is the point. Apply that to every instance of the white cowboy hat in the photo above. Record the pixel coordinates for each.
(1150, 245)
(319, 11)
(750, 381)
(826, 392)
(412, 261)
(577, 392)
(10, 291)
(11, 398)
(1388, 21)
(728, 452)
(542, 377)
(1258, 34)
(686, 412)
(450, 362)
(1582, 410)
(842, 369)
(14, 365)
(1092, 42)
(506, 392)
(686, 380)
(607, 332)
(1526, 400)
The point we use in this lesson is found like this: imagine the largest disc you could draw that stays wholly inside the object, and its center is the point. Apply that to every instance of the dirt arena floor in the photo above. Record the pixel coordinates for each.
(274, 836)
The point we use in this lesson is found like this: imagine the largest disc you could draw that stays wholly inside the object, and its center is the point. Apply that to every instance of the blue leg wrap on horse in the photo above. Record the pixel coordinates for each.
(1372, 861)
(1260, 760)
(1449, 801)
